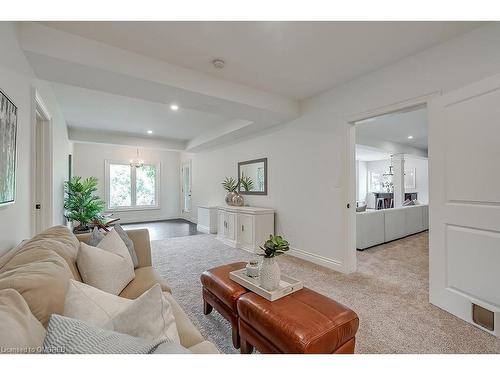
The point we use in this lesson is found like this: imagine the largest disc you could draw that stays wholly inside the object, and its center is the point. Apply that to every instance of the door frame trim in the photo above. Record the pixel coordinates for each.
(39, 107)
(350, 263)
(183, 164)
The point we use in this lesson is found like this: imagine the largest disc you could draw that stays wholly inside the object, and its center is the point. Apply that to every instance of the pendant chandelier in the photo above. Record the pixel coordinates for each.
(136, 163)
(390, 173)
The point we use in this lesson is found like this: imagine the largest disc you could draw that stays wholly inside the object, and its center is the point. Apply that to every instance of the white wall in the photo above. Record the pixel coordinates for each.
(389, 146)
(422, 176)
(308, 183)
(17, 81)
(89, 159)
(361, 180)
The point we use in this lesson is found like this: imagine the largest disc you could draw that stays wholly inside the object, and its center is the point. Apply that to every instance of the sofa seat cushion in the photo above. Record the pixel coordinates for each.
(20, 331)
(204, 347)
(41, 277)
(145, 278)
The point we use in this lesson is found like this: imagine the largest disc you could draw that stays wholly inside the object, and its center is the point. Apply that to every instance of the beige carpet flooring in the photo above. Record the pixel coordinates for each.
(389, 292)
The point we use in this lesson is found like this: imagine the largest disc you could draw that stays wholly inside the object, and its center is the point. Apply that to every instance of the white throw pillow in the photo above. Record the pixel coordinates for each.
(149, 316)
(108, 266)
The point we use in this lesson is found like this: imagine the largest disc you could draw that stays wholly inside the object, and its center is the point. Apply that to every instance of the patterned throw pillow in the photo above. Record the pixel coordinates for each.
(95, 237)
(129, 243)
(72, 336)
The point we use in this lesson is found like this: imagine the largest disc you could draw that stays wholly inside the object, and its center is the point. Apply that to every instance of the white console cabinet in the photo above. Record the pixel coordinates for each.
(245, 227)
(207, 219)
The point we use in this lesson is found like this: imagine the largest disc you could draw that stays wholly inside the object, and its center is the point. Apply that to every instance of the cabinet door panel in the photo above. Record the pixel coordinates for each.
(246, 230)
(222, 224)
(230, 226)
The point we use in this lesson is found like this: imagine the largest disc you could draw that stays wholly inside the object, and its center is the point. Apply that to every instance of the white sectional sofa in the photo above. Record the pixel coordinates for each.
(377, 227)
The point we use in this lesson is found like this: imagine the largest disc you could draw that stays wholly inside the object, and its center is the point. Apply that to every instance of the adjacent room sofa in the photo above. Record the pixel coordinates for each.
(380, 226)
(40, 268)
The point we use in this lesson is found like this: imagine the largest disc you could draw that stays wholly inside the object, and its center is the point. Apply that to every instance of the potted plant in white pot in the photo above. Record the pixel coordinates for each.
(270, 274)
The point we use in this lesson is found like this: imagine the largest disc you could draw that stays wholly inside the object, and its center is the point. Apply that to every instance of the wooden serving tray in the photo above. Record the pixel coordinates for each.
(287, 285)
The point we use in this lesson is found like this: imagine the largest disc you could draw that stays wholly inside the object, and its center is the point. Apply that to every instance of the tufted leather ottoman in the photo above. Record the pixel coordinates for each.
(302, 322)
(222, 293)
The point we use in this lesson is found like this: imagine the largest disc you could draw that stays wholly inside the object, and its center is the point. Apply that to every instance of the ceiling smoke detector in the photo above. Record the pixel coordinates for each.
(218, 63)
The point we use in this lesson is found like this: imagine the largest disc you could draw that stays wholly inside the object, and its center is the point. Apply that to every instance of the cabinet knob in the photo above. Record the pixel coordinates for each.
(242, 228)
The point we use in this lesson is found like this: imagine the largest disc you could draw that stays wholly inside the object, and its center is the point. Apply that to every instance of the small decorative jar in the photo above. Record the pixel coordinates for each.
(252, 268)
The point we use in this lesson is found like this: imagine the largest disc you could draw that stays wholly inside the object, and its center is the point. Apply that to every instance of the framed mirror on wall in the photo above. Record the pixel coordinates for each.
(253, 177)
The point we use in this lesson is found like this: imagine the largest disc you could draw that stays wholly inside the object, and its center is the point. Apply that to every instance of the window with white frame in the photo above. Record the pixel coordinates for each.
(130, 187)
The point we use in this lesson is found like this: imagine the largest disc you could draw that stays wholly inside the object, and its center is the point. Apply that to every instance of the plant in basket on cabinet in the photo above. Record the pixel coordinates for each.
(270, 274)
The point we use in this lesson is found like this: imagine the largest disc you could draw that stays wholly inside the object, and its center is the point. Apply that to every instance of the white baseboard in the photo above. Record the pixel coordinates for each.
(317, 259)
(146, 220)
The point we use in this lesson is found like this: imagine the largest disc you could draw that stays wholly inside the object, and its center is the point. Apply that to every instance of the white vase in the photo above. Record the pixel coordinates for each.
(270, 274)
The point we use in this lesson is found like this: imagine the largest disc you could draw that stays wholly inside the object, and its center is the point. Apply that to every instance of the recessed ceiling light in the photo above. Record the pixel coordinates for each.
(174, 107)
(410, 137)
(150, 132)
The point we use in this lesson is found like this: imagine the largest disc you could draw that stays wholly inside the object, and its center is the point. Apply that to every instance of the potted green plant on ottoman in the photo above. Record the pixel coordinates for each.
(270, 274)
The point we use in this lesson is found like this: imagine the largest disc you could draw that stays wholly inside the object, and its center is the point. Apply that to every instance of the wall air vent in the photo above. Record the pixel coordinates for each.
(483, 317)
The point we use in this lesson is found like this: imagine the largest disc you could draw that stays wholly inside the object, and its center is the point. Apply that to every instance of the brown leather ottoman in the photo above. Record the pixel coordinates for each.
(222, 293)
(302, 322)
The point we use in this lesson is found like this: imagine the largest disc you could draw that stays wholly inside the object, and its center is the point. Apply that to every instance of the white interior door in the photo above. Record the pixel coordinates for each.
(186, 187)
(464, 205)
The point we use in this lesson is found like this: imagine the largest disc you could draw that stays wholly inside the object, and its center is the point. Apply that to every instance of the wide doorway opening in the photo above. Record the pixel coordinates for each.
(392, 193)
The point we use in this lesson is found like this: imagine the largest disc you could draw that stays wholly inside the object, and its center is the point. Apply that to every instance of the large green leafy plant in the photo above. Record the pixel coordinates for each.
(274, 246)
(81, 202)
(247, 183)
(230, 184)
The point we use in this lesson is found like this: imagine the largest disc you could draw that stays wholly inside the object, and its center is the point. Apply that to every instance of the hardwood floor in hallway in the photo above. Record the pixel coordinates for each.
(159, 230)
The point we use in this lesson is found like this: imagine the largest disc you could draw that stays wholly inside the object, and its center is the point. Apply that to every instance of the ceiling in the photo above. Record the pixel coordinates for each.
(396, 127)
(364, 153)
(293, 59)
(91, 109)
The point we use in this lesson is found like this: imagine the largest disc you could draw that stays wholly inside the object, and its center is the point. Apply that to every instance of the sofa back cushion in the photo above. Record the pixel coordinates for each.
(61, 234)
(41, 276)
(20, 331)
(59, 239)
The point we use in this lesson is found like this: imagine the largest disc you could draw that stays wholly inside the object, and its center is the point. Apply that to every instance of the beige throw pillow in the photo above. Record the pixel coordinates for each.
(149, 315)
(20, 331)
(108, 266)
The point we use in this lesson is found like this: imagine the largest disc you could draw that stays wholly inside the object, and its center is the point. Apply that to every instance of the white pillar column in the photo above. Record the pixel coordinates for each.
(398, 166)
